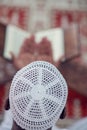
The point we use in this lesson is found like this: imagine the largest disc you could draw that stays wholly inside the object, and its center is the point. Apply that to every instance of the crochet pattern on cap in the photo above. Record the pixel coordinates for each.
(37, 96)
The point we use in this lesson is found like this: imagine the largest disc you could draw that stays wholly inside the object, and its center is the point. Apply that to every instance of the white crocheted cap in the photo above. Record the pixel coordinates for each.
(79, 125)
(37, 96)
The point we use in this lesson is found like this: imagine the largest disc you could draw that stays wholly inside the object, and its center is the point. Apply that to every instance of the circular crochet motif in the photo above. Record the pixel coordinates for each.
(37, 96)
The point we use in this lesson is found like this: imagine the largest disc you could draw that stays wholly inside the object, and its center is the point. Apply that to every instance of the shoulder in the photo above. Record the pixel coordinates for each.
(56, 128)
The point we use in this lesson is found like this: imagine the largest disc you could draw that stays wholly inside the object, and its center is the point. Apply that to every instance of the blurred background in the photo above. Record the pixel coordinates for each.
(34, 16)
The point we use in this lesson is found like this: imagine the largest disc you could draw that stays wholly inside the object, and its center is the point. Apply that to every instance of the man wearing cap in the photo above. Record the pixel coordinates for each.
(38, 96)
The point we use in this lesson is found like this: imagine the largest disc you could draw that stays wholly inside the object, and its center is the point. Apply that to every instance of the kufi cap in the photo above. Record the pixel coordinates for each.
(38, 95)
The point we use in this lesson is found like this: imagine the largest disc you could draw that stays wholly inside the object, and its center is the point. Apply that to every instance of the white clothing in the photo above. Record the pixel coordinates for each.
(7, 122)
(56, 128)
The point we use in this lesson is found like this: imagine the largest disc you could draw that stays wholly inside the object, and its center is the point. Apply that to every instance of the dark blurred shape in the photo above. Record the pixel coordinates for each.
(72, 42)
(7, 71)
(2, 37)
(75, 73)
(76, 76)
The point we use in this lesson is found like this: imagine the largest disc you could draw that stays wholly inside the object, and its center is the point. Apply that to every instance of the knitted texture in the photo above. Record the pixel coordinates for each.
(37, 96)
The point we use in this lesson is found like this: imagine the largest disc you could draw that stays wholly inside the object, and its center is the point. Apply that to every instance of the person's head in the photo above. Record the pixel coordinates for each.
(38, 96)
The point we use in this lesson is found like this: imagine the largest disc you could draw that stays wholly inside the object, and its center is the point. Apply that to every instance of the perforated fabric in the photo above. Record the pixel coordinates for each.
(37, 96)
(80, 125)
